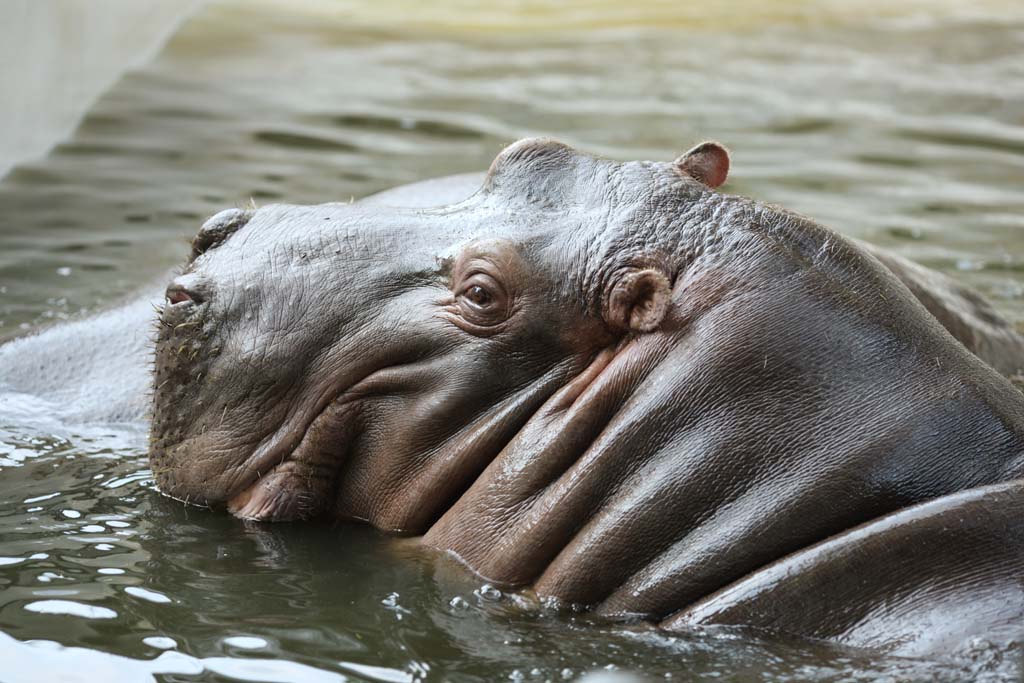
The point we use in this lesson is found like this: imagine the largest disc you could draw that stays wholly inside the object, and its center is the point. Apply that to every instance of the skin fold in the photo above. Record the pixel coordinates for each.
(613, 384)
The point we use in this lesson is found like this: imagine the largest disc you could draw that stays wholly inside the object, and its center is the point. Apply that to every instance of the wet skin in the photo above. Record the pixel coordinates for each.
(616, 386)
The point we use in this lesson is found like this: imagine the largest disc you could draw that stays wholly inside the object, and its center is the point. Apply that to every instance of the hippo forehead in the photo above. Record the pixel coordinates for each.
(537, 194)
(548, 174)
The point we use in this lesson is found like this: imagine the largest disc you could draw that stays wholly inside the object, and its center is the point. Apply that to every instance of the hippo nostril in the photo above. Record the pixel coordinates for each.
(176, 294)
(217, 229)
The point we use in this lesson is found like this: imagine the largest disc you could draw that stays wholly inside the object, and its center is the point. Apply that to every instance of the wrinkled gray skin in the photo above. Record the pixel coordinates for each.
(611, 384)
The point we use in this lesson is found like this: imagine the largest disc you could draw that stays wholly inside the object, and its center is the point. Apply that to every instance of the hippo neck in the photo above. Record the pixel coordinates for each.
(739, 432)
(573, 431)
(542, 481)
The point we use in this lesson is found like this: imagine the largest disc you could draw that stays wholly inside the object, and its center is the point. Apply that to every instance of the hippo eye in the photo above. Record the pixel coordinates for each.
(478, 295)
(482, 301)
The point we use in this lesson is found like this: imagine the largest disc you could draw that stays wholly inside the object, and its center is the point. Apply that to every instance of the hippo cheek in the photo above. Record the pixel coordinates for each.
(303, 484)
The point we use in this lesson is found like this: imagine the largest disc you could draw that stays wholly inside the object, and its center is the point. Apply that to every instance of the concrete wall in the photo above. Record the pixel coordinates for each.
(58, 56)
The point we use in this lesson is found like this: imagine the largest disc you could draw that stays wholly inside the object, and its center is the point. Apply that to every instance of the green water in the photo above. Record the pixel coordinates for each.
(900, 123)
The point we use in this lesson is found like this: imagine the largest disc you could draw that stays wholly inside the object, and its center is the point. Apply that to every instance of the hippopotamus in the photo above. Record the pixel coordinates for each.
(612, 385)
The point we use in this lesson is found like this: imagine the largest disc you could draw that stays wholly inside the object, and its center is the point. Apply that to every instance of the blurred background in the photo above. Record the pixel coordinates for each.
(124, 123)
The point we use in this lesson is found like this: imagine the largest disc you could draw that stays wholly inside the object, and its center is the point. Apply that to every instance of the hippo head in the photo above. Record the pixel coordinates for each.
(603, 378)
(370, 362)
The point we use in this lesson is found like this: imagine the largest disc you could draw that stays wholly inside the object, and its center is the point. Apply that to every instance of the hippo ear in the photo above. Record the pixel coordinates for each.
(708, 162)
(637, 300)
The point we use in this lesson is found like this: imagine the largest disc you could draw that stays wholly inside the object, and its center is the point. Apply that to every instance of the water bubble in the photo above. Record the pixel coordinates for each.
(391, 602)
(488, 592)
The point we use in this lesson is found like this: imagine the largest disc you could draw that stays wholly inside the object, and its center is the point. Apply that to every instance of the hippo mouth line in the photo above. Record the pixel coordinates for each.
(298, 484)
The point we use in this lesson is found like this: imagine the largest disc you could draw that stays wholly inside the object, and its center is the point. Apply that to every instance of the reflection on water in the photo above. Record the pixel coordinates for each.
(902, 127)
(92, 559)
(897, 122)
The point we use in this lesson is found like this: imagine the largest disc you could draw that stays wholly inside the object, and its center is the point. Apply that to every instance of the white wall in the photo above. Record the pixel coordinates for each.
(58, 56)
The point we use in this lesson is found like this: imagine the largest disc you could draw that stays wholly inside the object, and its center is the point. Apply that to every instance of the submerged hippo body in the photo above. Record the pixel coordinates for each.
(612, 384)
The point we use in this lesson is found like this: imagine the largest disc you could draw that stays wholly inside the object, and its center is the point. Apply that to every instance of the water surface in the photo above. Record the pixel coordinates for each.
(899, 122)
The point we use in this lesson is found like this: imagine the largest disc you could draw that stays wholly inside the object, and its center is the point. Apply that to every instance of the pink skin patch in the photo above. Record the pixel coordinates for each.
(177, 296)
(274, 497)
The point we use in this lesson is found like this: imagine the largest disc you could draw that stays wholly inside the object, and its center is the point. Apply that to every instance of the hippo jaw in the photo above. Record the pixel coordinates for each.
(300, 481)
